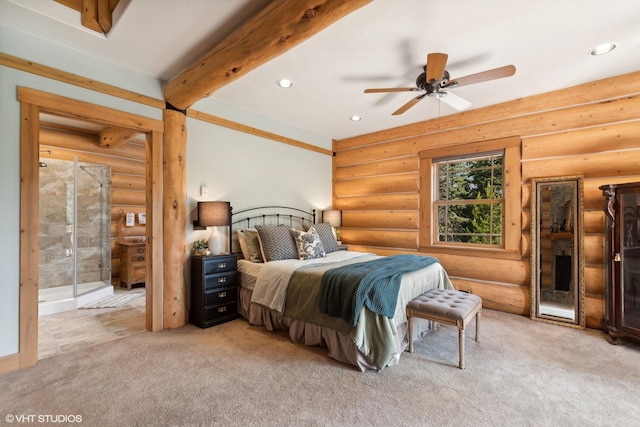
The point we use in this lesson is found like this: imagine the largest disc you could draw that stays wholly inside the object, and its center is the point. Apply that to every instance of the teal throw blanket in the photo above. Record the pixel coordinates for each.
(373, 284)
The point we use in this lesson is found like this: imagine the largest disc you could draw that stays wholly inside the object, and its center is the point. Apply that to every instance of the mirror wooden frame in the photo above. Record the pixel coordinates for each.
(574, 212)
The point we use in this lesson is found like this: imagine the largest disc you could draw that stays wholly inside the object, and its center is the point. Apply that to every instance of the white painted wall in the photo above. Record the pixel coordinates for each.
(243, 169)
(250, 172)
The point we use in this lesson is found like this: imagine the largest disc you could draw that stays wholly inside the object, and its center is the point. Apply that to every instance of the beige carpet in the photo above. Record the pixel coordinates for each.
(522, 373)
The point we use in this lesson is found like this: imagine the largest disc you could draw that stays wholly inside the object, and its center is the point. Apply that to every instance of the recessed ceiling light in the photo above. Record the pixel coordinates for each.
(602, 49)
(355, 118)
(285, 83)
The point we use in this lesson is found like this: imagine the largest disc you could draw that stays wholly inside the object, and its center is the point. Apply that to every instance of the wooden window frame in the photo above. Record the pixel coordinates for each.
(512, 226)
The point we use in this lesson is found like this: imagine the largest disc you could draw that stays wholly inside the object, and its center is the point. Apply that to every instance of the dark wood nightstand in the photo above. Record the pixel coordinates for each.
(214, 290)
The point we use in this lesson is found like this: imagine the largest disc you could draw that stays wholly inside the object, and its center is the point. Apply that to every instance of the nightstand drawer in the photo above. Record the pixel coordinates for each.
(221, 296)
(136, 257)
(220, 265)
(140, 250)
(220, 311)
(220, 280)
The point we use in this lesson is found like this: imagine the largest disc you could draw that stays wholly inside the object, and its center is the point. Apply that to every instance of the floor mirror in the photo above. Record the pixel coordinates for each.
(557, 251)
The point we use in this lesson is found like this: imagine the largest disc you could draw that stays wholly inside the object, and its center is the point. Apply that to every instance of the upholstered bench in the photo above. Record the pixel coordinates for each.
(447, 307)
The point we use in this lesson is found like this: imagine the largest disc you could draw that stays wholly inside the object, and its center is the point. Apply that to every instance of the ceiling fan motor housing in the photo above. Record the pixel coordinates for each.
(434, 86)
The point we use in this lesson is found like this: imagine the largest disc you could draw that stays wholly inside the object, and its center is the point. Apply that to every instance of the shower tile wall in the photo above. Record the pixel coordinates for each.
(56, 226)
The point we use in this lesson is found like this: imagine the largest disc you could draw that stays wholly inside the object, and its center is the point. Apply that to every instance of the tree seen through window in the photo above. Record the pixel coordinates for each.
(469, 206)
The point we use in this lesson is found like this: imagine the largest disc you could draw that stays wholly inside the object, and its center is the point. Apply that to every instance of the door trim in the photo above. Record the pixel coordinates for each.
(32, 103)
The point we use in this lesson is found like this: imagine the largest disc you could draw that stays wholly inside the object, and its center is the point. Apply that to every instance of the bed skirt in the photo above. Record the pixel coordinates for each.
(340, 345)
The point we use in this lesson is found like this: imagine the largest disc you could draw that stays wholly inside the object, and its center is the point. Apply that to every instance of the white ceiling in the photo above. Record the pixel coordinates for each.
(384, 44)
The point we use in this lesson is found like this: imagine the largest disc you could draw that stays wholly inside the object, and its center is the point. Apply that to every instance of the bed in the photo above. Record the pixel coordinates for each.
(291, 289)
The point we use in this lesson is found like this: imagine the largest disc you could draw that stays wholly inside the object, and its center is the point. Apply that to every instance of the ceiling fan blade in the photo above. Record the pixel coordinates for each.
(409, 104)
(496, 73)
(436, 63)
(391, 89)
(455, 101)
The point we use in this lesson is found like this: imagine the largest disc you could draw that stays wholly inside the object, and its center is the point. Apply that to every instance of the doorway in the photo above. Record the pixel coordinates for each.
(33, 103)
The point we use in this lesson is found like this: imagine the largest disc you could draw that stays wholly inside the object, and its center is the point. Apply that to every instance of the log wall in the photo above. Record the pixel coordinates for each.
(591, 130)
(128, 185)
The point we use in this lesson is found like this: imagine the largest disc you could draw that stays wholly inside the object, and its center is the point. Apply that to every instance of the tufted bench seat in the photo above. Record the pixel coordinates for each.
(448, 307)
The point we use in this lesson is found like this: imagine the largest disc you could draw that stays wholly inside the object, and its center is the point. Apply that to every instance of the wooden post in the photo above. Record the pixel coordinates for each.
(174, 213)
(155, 249)
(29, 247)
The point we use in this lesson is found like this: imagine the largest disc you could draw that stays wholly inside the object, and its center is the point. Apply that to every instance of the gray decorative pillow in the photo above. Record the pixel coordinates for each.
(308, 244)
(325, 230)
(276, 242)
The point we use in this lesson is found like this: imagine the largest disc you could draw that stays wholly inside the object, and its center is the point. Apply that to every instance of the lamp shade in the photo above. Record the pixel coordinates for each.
(212, 214)
(333, 217)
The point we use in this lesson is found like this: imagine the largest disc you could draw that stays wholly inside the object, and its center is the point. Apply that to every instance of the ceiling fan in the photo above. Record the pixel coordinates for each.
(435, 81)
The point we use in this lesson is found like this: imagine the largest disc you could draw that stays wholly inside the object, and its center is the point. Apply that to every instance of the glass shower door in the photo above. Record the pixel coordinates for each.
(75, 219)
(56, 268)
(93, 220)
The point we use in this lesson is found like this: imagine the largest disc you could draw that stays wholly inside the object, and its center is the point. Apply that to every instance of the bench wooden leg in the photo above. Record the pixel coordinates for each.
(478, 325)
(461, 348)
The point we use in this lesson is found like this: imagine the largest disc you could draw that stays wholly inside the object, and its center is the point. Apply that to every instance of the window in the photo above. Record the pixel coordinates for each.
(470, 198)
(469, 205)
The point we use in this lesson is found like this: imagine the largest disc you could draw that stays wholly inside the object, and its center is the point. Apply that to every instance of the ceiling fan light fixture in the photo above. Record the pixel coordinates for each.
(284, 83)
(602, 49)
(437, 94)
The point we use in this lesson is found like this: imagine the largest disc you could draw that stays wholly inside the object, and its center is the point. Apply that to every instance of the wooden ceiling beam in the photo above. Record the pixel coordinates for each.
(105, 17)
(89, 15)
(68, 128)
(280, 26)
(113, 137)
(73, 4)
(97, 15)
